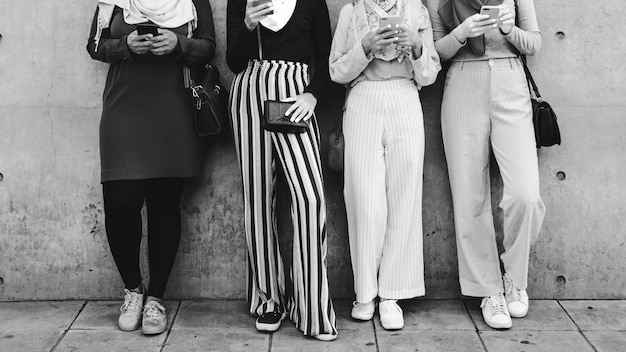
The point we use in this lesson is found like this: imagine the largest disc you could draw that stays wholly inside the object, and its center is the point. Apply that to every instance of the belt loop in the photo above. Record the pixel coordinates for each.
(511, 63)
(461, 63)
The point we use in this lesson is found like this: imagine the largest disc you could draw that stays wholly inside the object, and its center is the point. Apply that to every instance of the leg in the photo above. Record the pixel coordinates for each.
(513, 143)
(164, 226)
(311, 308)
(465, 129)
(401, 273)
(123, 201)
(364, 187)
(254, 149)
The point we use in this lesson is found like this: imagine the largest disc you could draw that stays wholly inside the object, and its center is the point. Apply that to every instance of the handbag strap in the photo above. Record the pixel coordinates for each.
(258, 39)
(529, 77)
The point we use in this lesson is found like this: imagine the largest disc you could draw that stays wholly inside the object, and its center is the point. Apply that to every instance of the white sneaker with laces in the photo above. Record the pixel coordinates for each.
(154, 318)
(516, 299)
(390, 315)
(362, 311)
(130, 315)
(495, 312)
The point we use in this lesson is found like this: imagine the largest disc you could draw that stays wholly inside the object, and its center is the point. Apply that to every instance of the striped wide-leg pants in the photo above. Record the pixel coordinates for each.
(486, 105)
(384, 134)
(310, 307)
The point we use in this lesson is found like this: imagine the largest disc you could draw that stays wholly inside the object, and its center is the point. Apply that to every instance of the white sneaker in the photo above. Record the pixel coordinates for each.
(154, 318)
(362, 311)
(390, 315)
(131, 311)
(495, 313)
(516, 299)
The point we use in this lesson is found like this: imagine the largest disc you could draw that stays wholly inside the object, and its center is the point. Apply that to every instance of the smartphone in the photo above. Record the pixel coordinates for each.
(492, 11)
(259, 2)
(390, 20)
(147, 28)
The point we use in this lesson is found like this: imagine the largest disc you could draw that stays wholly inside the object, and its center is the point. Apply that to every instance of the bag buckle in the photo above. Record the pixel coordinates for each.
(196, 95)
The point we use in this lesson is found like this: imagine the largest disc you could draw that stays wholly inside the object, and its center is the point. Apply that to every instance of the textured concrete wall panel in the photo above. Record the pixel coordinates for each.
(52, 239)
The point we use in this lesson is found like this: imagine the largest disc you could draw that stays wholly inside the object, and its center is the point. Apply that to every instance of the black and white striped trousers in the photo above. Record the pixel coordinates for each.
(310, 307)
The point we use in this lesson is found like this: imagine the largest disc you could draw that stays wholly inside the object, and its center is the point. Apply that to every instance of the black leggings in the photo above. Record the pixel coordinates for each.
(123, 201)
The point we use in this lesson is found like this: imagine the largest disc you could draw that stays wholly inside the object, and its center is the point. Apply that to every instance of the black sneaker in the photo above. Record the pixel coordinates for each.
(269, 321)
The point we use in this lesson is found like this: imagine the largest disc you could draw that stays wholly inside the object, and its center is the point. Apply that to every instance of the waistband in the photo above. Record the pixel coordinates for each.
(507, 62)
(277, 63)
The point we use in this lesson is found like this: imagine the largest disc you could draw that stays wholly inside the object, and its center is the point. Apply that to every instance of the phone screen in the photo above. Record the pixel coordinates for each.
(147, 29)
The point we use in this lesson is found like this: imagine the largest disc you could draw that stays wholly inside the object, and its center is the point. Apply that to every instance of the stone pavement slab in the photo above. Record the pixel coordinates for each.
(535, 341)
(607, 341)
(217, 341)
(41, 315)
(289, 339)
(597, 315)
(344, 319)
(214, 315)
(439, 315)
(27, 340)
(429, 341)
(109, 340)
(102, 315)
(542, 315)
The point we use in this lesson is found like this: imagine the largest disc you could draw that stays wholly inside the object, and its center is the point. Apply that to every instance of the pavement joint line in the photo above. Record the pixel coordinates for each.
(476, 330)
(577, 327)
(375, 334)
(269, 342)
(169, 330)
(69, 326)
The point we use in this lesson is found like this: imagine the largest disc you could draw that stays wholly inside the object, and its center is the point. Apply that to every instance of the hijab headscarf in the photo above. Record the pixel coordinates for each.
(163, 13)
(454, 12)
(366, 18)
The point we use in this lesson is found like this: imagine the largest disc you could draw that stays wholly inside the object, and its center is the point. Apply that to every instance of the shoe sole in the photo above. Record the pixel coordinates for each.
(326, 337)
(152, 331)
(268, 327)
(362, 317)
(517, 315)
(128, 329)
(392, 326)
(499, 326)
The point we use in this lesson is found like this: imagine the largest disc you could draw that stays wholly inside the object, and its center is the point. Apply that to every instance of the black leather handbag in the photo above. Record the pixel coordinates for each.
(275, 120)
(210, 100)
(547, 131)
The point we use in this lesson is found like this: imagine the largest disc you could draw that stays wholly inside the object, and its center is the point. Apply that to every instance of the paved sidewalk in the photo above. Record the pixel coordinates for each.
(224, 325)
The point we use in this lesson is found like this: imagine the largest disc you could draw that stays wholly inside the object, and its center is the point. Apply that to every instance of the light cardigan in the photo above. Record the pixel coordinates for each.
(348, 63)
(524, 37)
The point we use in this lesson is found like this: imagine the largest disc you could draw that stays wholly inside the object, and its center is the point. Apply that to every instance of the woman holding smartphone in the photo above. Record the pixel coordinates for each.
(291, 35)
(486, 106)
(383, 51)
(148, 144)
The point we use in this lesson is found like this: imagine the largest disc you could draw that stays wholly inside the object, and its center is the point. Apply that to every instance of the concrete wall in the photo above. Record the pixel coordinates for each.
(52, 239)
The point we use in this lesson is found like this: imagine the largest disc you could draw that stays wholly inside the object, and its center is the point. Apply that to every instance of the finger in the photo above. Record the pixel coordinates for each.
(296, 116)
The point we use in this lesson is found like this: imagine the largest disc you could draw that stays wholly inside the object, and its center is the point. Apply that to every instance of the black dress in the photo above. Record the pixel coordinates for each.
(146, 129)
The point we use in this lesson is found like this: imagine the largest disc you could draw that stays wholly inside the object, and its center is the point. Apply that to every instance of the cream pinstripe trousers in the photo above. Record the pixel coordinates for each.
(384, 154)
(486, 104)
(310, 306)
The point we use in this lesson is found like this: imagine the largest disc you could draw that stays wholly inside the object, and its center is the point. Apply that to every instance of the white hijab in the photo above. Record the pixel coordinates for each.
(283, 9)
(163, 13)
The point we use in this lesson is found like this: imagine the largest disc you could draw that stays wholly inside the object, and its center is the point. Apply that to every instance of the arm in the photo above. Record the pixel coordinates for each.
(447, 43)
(347, 58)
(109, 50)
(525, 37)
(426, 67)
(238, 37)
(201, 48)
(321, 44)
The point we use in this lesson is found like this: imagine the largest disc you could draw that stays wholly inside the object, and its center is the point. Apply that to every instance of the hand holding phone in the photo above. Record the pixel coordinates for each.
(260, 2)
